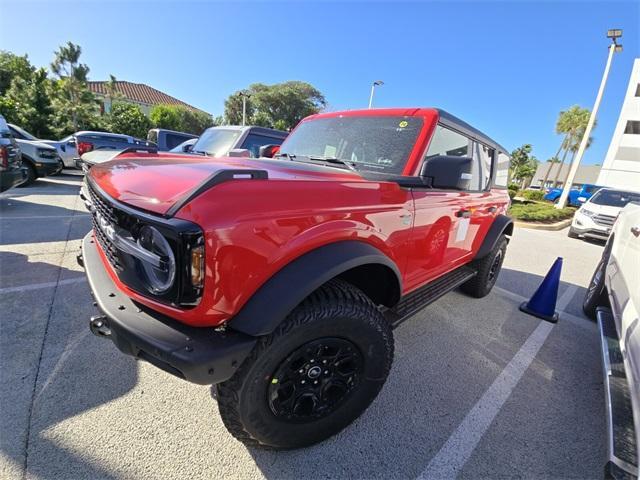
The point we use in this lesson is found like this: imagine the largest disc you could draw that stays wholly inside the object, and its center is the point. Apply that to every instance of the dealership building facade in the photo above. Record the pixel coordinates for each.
(621, 167)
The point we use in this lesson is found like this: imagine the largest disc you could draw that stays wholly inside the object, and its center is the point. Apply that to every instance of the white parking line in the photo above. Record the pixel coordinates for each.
(458, 449)
(566, 297)
(37, 286)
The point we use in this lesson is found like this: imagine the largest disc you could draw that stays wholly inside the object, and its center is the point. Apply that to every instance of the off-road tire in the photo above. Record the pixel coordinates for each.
(596, 294)
(571, 233)
(31, 175)
(488, 269)
(337, 310)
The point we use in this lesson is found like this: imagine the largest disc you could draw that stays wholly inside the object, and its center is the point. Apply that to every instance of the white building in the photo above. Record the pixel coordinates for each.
(621, 167)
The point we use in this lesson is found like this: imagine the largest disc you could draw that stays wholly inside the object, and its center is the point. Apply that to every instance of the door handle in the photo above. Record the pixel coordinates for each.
(635, 231)
(463, 213)
(492, 209)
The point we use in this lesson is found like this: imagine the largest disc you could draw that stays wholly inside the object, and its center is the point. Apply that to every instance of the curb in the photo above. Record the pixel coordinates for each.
(544, 226)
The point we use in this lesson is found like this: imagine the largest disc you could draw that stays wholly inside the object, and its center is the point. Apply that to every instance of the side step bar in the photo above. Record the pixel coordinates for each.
(416, 301)
(622, 453)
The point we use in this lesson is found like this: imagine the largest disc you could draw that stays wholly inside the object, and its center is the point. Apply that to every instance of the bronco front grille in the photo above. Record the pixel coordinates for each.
(108, 212)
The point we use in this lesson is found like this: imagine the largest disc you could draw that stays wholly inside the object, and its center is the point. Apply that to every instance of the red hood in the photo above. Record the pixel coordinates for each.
(155, 182)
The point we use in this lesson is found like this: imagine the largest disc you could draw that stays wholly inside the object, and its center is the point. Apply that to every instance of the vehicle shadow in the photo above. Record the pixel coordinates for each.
(55, 368)
(57, 185)
(443, 365)
(26, 222)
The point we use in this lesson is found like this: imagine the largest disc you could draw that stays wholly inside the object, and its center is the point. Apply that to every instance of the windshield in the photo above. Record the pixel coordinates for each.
(368, 143)
(23, 133)
(216, 142)
(614, 198)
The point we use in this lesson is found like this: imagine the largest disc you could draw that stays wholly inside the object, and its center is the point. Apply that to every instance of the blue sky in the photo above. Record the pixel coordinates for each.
(508, 68)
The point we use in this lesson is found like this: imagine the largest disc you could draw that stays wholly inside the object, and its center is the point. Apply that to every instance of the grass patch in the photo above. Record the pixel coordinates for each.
(539, 212)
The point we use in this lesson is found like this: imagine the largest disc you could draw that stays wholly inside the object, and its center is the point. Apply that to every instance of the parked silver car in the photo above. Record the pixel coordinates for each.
(613, 298)
(66, 147)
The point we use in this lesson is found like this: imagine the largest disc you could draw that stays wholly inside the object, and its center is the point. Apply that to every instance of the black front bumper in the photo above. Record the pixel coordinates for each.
(199, 355)
(47, 168)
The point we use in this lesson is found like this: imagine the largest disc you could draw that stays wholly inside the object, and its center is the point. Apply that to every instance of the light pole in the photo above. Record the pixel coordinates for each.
(244, 96)
(614, 47)
(373, 88)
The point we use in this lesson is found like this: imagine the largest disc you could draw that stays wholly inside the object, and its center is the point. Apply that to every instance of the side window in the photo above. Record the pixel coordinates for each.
(454, 144)
(253, 142)
(448, 142)
(484, 156)
(174, 140)
(502, 170)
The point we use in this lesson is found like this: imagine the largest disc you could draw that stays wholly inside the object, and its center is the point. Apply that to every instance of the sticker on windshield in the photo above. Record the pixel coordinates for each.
(403, 124)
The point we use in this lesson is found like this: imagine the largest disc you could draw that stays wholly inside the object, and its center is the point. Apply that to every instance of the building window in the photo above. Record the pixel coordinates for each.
(633, 127)
(638, 90)
(630, 154)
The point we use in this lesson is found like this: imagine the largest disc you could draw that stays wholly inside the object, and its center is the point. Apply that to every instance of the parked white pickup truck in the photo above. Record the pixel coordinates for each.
(613, 298)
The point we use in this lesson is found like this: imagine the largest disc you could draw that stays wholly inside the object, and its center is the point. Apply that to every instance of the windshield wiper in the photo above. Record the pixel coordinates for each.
(201, 152)
(290, 156)
(350, 165)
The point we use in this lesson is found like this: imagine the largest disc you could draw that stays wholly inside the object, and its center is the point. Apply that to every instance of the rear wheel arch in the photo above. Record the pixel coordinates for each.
(356, 262)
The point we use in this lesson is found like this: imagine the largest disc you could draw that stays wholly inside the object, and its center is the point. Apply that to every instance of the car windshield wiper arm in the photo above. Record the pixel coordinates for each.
(339, 161)
(290, 156)
(201, 152)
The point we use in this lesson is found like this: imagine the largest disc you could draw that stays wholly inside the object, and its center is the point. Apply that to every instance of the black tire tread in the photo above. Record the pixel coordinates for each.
(475, 287)
(337, 296)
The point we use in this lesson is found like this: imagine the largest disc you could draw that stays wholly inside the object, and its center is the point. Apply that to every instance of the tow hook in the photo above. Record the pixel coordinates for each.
(98, 326)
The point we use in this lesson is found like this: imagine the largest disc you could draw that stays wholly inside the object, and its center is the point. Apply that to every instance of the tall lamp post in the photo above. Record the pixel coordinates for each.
(373, 89)
(244, 95)
(613, 34)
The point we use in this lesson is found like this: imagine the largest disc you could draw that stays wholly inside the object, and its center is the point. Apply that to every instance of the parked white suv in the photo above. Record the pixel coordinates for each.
(596, 216)
(613, 298)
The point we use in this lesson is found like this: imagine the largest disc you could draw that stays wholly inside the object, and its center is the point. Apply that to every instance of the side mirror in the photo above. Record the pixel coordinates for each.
(447, 172)
(268, 151)
(239, 152)
(187, 148)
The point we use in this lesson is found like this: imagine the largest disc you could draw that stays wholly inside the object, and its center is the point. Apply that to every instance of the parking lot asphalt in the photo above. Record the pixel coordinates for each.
(478, 389)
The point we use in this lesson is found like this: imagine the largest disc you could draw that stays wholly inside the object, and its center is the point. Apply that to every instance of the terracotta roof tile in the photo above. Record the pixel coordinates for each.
(139, 92)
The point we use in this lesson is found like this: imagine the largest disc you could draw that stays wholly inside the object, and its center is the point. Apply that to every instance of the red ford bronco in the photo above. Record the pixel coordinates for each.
(281, 279)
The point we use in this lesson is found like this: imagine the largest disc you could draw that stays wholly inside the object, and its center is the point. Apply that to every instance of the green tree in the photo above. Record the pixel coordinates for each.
(523, 165)
(32, 102)
(76, 107)
(13, 66)
(572, 123)
(182, 119)
(128, 119)
(282, 105)
(165, 116)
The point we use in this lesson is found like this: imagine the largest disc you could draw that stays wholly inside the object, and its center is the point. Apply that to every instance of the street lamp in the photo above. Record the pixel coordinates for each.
(373, 87)
(244, 95)
(613, 34)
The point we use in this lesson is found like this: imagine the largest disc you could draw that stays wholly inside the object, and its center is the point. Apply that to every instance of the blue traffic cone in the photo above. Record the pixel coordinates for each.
(543, 303)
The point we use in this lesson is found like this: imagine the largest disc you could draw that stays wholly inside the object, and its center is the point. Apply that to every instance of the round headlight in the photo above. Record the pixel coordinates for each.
(159, 278)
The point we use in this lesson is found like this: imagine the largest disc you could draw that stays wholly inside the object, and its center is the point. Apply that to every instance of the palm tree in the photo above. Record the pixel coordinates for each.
(573, 123)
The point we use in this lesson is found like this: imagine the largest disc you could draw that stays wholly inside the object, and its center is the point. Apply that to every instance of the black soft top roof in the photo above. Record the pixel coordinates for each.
(454, 122)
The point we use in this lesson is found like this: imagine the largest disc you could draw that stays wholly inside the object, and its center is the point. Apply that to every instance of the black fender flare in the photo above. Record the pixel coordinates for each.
(279, 295)
(501, 225)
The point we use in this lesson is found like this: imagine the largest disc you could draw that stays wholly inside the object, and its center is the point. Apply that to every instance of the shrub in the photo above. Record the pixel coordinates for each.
(539, 212)
(512, 193)
(535, 195)
(181, 119)
(128, 119)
